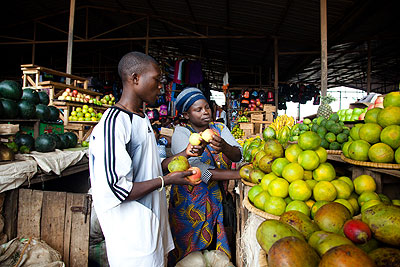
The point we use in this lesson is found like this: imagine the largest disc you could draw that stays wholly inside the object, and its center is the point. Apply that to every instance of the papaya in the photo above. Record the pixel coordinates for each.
(323, 241)
(346, 255)
(389, 257)
(331, 217)
(271, 231)
(384, 221)
(292, 252)
(300, 222)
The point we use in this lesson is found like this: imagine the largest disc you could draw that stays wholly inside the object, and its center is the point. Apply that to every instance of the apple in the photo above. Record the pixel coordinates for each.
(65, 94)
(75, 92)
(194, 178)
(68, 90)
(61, 97)
(90, 101)
(195, 139)
(207, 135)
(379, 100)
(379, 105)
(361, 117)
(69, 98)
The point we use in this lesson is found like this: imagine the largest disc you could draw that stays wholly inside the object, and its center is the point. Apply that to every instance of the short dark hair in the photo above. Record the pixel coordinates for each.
(134, 62)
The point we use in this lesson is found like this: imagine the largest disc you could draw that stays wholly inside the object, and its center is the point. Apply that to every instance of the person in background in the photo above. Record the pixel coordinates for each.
(196, 214)
(162, 142)
(126, 173)
(221, 115)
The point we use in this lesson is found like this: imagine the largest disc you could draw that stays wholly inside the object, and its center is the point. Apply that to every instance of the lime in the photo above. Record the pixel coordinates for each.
(330, 137)
(334, 146)
(342, 138)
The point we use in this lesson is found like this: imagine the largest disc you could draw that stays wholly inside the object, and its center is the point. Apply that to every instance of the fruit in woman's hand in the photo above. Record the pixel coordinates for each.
(195, 177)
(195, 139)
(207, 135)
(179, 163)
(357, 231)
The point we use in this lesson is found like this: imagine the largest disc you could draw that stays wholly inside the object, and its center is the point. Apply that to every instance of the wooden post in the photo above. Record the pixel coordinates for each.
(369, 69)
(70, 38)
(324, 49)
(276, 73)
(34, 44)
(87, 24)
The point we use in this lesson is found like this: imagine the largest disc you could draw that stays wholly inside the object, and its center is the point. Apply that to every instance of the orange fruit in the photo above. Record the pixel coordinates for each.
(275, 205)
(324, 172)
(254, 191)
(309, 141)
(315, 207)
(260, 199)
(345, 148)
(309, 203)
(372, 115)
(391, 136)
(322, 154)
(354, 132)
(293, 171)
(389, 116)
(397, 156)
(392, 99)
(370, 132)
(307, 175)
(299, 190)
(278, 187)
(267, 179)
(348, 181)
(298, 206)
(324, 190)
(367, 196)
(308, 159)
(364, 183)
(347, 204)
(342, 188)
(381, 153)
(278, 165)
(358, 150)
(292, 152)
(311, 183)
(369, 204)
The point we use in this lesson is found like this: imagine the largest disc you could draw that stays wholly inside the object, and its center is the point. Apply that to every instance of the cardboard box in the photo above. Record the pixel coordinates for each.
(257, 117)
(269, 108)
(166, 131)
(44, 128)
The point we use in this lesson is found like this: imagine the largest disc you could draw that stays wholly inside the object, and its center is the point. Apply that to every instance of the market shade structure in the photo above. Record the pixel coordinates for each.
(232, 35)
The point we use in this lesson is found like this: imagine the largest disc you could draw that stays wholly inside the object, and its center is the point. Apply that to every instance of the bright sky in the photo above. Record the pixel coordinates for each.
(346, 94)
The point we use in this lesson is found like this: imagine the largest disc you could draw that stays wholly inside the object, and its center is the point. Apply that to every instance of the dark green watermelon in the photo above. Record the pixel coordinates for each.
(43, 98)
(73, 139)
(45, 143)
(10, 90)
(42, 112)
(1, 110)
(31, 96)
(25, 140)
(64, 140)
(59, 144)
(27, 109)
(54, 113)
(10, 108)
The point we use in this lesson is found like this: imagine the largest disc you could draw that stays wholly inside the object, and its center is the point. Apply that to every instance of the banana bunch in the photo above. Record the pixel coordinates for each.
(282, 121)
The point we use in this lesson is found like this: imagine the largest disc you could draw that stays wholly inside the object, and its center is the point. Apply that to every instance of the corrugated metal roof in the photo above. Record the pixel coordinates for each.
(239, 37)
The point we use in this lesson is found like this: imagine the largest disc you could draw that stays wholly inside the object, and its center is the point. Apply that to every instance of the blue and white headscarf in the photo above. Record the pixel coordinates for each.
(187, 98)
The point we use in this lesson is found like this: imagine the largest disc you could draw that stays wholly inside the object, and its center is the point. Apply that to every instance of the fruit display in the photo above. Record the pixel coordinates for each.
(25, 104)
(237, 132)
(378, 138)
(351, 114)
(243, 119)
(85, 113)
(281, 121)
(75, 96)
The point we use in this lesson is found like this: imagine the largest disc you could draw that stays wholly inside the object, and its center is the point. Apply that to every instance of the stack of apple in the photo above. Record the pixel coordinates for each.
(85, 113)
(75, 96)
(108, 100)
(255, 105)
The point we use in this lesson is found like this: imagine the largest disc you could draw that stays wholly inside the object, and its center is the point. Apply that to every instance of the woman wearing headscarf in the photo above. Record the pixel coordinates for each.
(195, 212)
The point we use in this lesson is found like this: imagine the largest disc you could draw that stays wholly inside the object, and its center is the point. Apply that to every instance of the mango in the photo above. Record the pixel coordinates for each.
(385, 256)
(323, 241)
(292, 252)
(331, 217)
(300, 222)
(346, 255)
(271, 231)
(179, 163)
(384, 221)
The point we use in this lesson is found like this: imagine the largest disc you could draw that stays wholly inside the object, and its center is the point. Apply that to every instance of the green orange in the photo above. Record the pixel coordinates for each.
(358, 150)
(278, 165)
(292, 152)
(293, 171)
(324, 190)
(324, 172)
(254, 191)
(308, 159)
(299, 190)
(322, 154)
(391, 136)
(381, 153)
(278, 187)
(309, 141)
(370, 132)
(364, 183)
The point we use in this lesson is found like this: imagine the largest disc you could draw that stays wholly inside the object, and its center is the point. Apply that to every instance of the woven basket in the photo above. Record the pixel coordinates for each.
(250, 207)
(247, 183)
(334, 152)
(263, 259)
(370, 164)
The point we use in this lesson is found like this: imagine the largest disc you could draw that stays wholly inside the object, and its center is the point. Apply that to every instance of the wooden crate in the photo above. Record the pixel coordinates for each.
(257, 117)
(61, 219)
(269, 108)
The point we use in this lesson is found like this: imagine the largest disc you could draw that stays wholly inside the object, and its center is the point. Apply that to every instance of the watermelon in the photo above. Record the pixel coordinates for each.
(59, 143)
(42, 112)
(10, 108)
(27, 109)
(10, 90)
(73, 139)
(45, 143)
(1, 110)
(64, 141)
(54, 113)
(31, 96)
(43, 98)
(25, 140)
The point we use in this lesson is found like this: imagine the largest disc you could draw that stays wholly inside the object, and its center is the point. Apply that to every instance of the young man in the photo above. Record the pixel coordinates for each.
(126, 173)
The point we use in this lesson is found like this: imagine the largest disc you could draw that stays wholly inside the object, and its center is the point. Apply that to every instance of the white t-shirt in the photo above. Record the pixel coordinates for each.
(123, 150)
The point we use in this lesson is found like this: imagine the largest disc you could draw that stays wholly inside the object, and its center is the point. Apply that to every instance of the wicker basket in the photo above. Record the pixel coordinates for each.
(263, 258)
(250, 207)
(334, 152)
(370, 164)
(247, 183)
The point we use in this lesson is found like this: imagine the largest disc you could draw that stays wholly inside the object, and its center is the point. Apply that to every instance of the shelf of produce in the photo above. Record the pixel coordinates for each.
(78, 104)
(83, 129)
(34, 122)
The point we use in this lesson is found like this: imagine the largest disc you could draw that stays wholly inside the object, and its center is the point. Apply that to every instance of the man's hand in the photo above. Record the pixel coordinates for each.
(180, 178)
